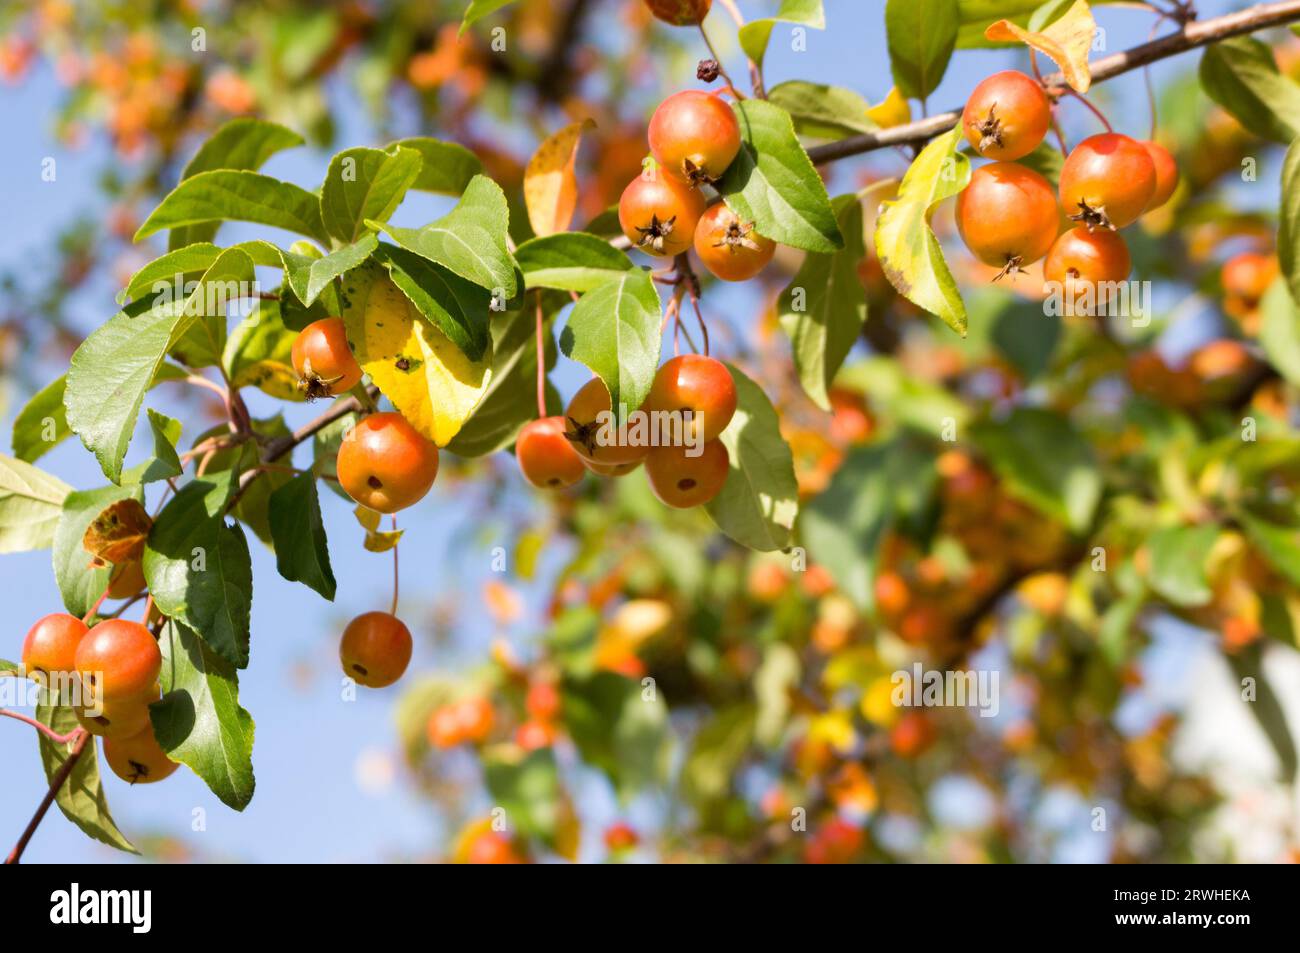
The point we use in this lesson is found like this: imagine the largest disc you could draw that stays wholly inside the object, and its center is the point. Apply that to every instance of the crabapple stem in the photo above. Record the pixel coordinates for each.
(46, 730)
(395, 574)
(78, 737)
(1095, 111)
(1192, 34)
(541, 362)
(94, 610)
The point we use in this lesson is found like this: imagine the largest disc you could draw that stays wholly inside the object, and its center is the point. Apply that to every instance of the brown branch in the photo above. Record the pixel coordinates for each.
(57, 782)
(1192, 35)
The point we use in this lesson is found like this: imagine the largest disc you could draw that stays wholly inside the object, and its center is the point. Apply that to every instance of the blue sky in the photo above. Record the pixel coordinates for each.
(309, 804)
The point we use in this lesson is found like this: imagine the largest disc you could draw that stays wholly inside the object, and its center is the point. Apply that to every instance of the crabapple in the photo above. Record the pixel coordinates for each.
(729, 247)
(116, 719)
(1084, 265)
(1107, 181)
(375, 649)
(546, 457)
(51, 644)
(1007, 216)
(680, 12)
(386, 464)
(592, 429)
(118, 659)
(659, 215)
(682, 481)
(324, 360)
(138, 758)
(611, 469)
(1166, 174)
(694, 135)
(699, 384)
(1006, 116)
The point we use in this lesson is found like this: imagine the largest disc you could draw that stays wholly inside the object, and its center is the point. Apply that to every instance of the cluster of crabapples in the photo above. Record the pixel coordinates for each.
(116, 663)
(1009, 216)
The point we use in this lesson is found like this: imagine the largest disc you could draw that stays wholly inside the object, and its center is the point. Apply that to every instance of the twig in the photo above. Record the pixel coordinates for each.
(46, 730)
(1192, 35)
(57, 782)
(541, 361)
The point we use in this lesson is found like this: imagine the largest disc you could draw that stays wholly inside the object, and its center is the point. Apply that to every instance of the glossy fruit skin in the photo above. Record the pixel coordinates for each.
(1006, 116)
(325, 363)
(493, 848)
(699, 384)
(694, 135)
(375, 649)
(1007, 216)
(139, 759)
(659, 215)
(386, 464)
(546, 457)
(680, 12)
(612, 469)
(1107, 181)
(682, 481)
(729, 247)
(592, 441)
(1166, 167)
(51, 644)
(118, 660)
(117, 719)
(1081, 263)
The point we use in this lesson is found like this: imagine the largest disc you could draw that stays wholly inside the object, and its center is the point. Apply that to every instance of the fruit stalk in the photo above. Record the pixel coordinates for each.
(65, 770)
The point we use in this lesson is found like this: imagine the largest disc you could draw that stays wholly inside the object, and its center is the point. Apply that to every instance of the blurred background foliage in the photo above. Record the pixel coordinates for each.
(1074, 507)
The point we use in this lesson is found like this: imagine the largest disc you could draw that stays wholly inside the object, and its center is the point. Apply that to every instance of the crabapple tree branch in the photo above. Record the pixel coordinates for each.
(1190, 36)
(57, 782)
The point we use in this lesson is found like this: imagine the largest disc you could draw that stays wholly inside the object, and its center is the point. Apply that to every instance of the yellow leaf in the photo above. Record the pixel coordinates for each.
(382, 542)
(550, 185)
(1067, 42)
(428, 378)
(893, 110)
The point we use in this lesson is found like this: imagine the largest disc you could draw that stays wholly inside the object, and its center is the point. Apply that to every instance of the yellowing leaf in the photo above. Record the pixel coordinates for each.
(376, 541)
(428, 378)
(893, 110)
(1067, 42)
(550, 185)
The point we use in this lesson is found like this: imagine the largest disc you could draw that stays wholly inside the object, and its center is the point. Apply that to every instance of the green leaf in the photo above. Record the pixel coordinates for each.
(1279, 332)
(42, 424)
(478, 9)
(1241, 75)
(899, 395)
(755, 35)
(309, 276)
(773, 184)
(716, 753)
(242, 144)
(113, 368)
(198, 568)
(325, 453)
(823, 308)
(81, 797)
(758, 504)
(1279, 545)
(616, 729)
(570, 261)
(160, 275)
(614, 330)
(31, 501)
(821, 111)
(365, 184)
(511, 397)
(842, 526)
(199, 721)
(1288, 226)
(239, 144)
(921, 35)
(470, 240)
(234, 195)
(907, 248)
(1026, 337)
(164, 463)
(253, 507)
(447, 167)
(259, 353)
(460, 309)
(1045, 462)
(1178, 555)
(301, 551)
(80, 583)
(527, 786)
